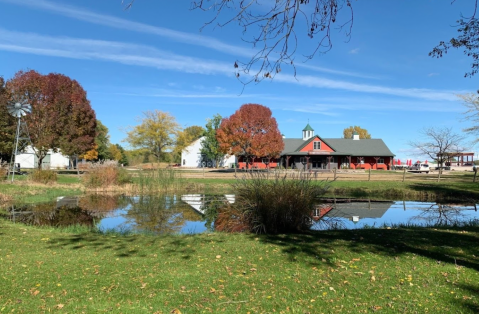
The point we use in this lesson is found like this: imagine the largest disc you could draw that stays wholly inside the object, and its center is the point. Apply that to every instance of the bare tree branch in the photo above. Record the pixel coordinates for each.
(471, 102)
(437, 143)
(275, 31)
(468, 27)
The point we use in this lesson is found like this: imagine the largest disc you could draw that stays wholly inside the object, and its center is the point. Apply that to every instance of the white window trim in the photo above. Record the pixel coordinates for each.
(314, 145)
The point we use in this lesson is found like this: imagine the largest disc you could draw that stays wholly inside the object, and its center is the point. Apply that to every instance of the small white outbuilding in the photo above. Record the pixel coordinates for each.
(28, 160)
(191, 157)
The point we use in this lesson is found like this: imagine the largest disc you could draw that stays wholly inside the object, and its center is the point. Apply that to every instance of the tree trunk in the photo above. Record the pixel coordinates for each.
(40, 161)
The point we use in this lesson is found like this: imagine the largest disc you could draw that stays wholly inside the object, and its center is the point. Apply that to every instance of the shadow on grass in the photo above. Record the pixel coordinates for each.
(457, 248)
(435, 243)
(132, 245)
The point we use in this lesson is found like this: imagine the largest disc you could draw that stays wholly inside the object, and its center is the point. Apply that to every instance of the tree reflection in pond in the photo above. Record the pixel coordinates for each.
(195, 213)
(160, 214)
(66, 211)
(442, 215)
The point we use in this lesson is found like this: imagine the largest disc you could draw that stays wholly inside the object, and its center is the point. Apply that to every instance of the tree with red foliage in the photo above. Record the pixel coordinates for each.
(61, 118)
(250, 132)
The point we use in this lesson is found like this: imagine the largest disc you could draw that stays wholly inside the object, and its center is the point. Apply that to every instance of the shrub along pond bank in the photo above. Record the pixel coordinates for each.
(407, 270)
(25, 190)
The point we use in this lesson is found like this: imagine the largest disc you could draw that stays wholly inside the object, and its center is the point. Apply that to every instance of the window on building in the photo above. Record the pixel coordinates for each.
(316, 145)
(380, 160)
(265, 161)
(303, 160)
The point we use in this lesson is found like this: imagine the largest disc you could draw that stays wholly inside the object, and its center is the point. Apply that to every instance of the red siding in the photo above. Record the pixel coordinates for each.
(370, 163)
(257, 164)
(310, 146)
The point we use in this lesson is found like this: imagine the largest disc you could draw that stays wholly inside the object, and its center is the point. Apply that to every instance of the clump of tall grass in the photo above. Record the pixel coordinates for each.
(276, 203)
(162, 179)
(44, 176)
(105, 174)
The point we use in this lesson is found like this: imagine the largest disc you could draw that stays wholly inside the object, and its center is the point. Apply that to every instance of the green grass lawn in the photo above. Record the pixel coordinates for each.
(361, 271)
(457, 187)
(22, 190)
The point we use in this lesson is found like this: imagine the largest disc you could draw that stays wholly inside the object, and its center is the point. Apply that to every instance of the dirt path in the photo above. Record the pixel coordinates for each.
(346, 175)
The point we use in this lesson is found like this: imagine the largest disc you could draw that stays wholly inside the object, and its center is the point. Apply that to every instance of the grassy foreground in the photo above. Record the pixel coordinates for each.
(361, 271)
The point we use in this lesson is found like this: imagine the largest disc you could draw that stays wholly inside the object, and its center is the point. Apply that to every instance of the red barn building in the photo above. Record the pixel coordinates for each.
(311, 152)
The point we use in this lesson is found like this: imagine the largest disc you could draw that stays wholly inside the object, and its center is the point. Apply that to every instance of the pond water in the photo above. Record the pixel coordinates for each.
(193, 213)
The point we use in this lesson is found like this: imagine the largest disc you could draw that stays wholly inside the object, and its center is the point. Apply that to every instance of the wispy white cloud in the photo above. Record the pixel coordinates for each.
(188, 38)
(141, 55)
(342, 106)
(316, 109)
(338, 72)
(354, 51)
(433, 74)
(314, 81)
(130, 54)
(119, 23)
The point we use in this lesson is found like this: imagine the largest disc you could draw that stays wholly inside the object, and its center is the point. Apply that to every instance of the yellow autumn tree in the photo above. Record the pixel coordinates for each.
(157, 132)
(363, 133)
(115, 152)
(92, 154)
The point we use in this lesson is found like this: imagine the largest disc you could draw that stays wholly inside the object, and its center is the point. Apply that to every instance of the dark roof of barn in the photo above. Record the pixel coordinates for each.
(341, 146)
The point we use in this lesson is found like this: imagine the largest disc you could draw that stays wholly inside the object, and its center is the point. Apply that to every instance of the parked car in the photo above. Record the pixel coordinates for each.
(419, 168)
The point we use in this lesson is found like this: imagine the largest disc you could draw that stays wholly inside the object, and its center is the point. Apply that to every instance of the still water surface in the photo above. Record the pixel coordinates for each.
(191, 213)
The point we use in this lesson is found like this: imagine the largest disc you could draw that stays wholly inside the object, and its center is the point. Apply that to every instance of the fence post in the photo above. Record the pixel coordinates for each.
(404, 175)
(369, 175)
(334, 173)
(439, 174)
(475, 173)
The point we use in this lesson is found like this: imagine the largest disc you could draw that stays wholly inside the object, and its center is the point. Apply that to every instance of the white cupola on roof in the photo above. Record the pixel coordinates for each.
(355, 136)
(308, 132)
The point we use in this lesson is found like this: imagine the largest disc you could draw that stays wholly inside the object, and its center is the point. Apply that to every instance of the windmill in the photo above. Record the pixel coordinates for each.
(19, 108)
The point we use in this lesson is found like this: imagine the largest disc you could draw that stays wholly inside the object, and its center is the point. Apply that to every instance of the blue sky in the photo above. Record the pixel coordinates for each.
(154, 56)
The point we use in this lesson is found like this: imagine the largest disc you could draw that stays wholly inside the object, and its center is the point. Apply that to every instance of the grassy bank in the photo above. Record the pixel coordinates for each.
(410, 190)
(383, 185)
(361, 271)
(23, 190)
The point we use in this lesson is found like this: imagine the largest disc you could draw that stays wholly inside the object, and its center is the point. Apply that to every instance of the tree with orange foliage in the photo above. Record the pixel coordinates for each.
(250, 132)
(91, 155)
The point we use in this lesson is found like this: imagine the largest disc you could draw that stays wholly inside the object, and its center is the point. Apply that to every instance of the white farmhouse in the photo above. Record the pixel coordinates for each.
(28, 160)
(191, 157)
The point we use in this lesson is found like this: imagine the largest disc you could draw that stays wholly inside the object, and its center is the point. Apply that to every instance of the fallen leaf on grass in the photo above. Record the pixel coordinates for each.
(34, 292)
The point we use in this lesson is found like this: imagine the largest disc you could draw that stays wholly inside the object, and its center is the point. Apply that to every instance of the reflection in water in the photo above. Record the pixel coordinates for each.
(443, 214)
(65, 211)
(160, 214)
(195, 213)
(351, 215)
